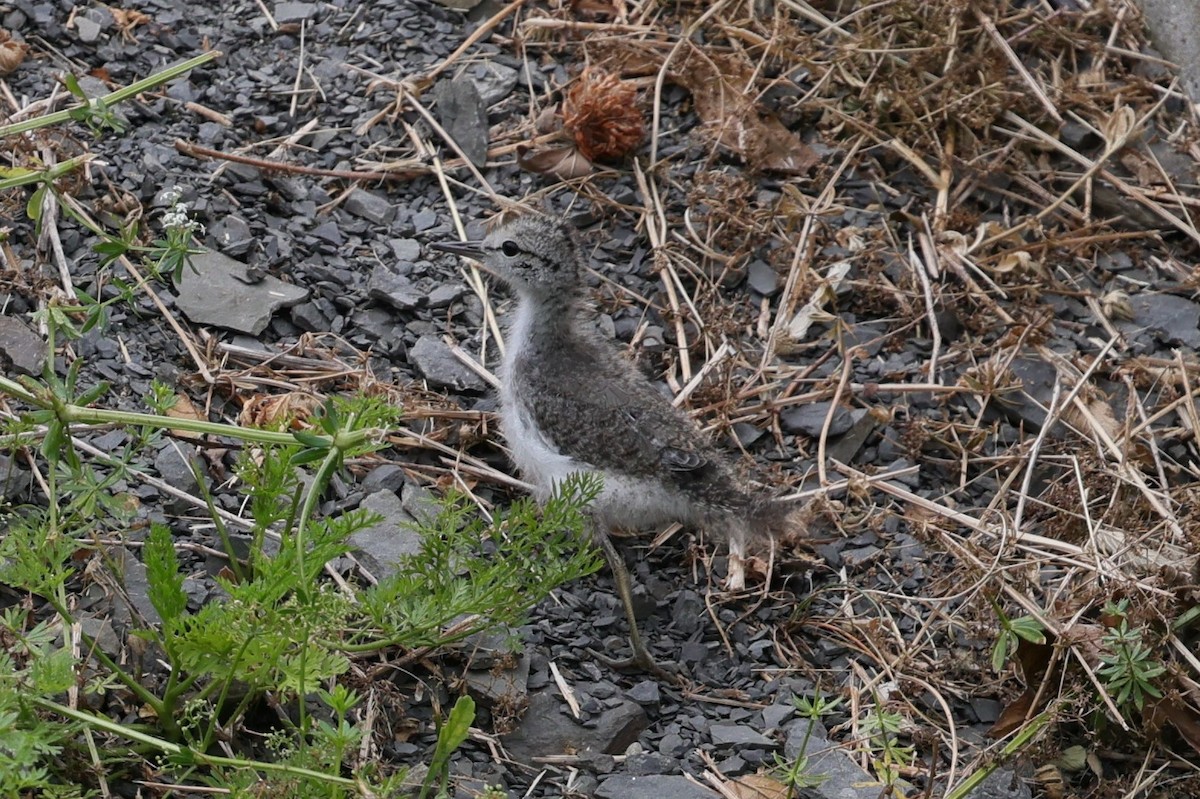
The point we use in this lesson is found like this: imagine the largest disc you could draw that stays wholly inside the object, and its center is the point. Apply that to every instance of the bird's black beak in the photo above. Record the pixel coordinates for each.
(469, 249)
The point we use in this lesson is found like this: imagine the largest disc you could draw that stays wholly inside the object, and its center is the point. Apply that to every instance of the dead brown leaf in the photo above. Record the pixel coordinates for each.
(184, 409)
(1034, 660)
(12, 53)
(757, 786)
(723, 89)
(1013, 715)
(127, 20)
(293, 409)
(1050, 777)
(1183, 717)
(596, 10)
(547, 120)
(564, 163)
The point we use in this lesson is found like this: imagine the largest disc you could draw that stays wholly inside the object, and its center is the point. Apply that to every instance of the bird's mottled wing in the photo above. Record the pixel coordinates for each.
(677, 450)
(608, 415)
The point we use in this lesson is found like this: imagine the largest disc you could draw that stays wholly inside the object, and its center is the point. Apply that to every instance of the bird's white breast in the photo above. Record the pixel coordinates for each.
(624, 501)
(534, 455)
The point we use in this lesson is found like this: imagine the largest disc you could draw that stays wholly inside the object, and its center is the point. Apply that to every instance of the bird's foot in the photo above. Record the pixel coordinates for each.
(641, 660)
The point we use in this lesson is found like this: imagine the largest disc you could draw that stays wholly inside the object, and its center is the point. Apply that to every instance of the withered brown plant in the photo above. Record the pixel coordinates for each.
(600, 113)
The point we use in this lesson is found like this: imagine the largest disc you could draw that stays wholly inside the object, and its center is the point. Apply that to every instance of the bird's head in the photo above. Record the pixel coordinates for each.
(535, 254)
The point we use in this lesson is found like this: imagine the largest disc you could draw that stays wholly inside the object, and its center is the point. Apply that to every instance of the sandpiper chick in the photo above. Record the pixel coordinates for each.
(571, 402)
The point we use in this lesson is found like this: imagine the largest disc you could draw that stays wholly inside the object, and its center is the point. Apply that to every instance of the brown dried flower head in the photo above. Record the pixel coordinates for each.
(12, 53)
(600, 113)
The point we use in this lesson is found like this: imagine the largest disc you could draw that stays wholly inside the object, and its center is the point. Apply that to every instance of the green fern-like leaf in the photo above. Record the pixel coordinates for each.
(162, 571)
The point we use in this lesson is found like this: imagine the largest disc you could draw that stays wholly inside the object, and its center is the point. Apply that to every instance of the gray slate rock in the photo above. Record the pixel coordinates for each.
(595, 762)
(424, 220)
(1037, 387)
(370, 206)
(101, 631)
(232, 234)
(89, 25)
(846, 447)
(810, 419)
(547, 728)
(396, 290)
(293, 11)
(434, 359)
(869, 335)
(221, 292)
(646, 692)
(405, 249)
(739, 735)
(500, 686)
(14, 481)
(419, 503)
(773, 716)
(330, 232)
(688, 611)
(843, 778)
(1173, 320)
(20, 347)
(859, 556)
(653, 786)
(308, 316)
(444, 295)
(487, 647)
(381, 545)
(987, 710)
(1003, 783)
(763, 278)
(644, 763)
(174, 464)
(463, 115)
(136, 583)
(386, 477)
(746, 433)
(493, 81)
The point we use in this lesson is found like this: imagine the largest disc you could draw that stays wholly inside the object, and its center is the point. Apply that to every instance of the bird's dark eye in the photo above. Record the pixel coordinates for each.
(510, 249)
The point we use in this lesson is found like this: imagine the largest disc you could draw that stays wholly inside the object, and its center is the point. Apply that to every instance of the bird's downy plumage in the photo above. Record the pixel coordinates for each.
(571, 402)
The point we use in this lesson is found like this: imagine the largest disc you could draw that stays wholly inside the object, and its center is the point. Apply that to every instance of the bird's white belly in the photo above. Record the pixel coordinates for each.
(535, 457)
(624, 501)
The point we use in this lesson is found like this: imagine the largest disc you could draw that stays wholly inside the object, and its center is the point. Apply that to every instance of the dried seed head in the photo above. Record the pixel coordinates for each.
(600, 114)
(12, 53)
(1115, 305)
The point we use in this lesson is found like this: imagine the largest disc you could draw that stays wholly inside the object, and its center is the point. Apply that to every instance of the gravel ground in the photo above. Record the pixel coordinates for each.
(308, 262)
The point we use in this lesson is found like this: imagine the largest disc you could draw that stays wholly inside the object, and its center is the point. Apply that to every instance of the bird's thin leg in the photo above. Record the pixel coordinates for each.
(640, 657)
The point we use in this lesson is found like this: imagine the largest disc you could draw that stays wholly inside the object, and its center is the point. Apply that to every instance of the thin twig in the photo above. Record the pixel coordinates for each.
(195, 150)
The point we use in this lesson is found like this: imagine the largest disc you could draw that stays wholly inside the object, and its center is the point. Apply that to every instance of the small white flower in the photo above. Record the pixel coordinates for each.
(176, 218)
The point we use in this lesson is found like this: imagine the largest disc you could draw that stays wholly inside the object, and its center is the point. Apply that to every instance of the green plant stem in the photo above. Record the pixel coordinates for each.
(184, 752)
(46, 176)
(75, 414)
(52, 456)
(172, 693)
(210, 734)
(128, 681)
(120, 95)
(1035, 725)
(235, 563)
(340, 443)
